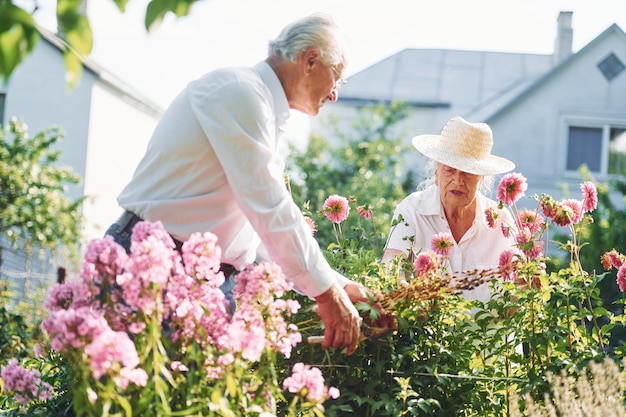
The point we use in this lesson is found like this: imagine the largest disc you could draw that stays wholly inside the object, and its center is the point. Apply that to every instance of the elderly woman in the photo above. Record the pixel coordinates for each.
(452, 202)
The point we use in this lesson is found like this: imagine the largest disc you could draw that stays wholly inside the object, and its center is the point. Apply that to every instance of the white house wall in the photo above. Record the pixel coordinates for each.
(533, 133)
(118, 135)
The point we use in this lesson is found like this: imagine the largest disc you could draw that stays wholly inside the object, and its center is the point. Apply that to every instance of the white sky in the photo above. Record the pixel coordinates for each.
(235, 32)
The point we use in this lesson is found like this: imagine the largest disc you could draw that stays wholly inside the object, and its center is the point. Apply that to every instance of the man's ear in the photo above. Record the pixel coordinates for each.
(310, 57)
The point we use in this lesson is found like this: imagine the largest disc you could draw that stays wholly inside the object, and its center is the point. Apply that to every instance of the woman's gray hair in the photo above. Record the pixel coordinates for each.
(315, 31)
(486, 186)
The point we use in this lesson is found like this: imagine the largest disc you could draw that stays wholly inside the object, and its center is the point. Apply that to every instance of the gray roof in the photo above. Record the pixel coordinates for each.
(455, 79)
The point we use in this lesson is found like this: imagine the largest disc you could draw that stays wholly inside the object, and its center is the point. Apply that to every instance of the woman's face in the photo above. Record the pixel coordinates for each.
(458, 189)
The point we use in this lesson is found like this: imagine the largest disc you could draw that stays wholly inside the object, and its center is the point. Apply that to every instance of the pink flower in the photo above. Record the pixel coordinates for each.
(590, 196)
(309, 381)
(549, 206)
(577, 208)
(336, 208)
(311, 223)
(507, 265)
(442, 243)
(621, 278)
(511, 188)
(563, 214)
(612, 259)
(529, 219)
(25, 383)
(426, 262)
(365, 212)
(491, 216)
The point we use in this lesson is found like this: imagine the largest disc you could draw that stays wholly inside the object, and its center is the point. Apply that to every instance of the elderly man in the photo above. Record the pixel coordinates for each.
(213, 165)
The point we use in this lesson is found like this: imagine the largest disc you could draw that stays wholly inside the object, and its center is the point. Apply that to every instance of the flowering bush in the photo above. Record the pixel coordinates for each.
(147, 334)
(151, 334)
(450, 356)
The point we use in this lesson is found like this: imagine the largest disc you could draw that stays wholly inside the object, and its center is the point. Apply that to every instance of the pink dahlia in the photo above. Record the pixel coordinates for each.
(590, 196)
(612, 259)
(425, 262)
(442, 243)
(577, 208)
(507, 265)
(491, 215)
(511, 188)
(311, 223)
(621, 278)
(336, 208)
(365, 211)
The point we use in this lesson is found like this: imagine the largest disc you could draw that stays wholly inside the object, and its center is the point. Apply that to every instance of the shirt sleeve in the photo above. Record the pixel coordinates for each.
(239, 122)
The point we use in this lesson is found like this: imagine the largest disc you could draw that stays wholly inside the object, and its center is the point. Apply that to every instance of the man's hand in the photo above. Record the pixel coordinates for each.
(358, 294)
(341, 319)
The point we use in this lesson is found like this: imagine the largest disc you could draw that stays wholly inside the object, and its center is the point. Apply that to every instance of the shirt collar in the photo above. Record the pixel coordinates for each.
(281, 105)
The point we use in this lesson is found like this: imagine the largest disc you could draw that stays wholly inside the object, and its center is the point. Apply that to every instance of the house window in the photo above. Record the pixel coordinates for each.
(611, 67)
(601, 148)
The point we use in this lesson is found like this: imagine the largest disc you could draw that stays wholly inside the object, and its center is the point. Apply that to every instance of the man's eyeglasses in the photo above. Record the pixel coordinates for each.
(340, 82)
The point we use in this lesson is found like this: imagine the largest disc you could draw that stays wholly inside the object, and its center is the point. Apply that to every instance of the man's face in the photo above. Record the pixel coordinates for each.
(319, 85)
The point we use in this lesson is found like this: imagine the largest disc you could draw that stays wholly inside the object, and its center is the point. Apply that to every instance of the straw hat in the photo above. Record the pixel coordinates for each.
(465, 146)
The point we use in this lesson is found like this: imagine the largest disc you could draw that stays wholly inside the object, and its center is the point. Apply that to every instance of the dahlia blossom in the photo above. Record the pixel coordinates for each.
(365, 211)
(511, 188)
(442, 243)
(426, 262)
(507, 265)
(590, 196)
(621, 278)
(336, 208)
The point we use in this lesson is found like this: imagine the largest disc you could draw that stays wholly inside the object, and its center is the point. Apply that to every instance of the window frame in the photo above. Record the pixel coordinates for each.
(603, 123)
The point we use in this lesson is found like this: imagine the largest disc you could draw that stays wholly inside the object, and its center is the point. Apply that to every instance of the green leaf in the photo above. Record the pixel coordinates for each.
(18, 37)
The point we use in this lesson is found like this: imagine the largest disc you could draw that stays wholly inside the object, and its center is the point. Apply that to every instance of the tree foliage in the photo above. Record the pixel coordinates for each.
(366, 162)
(19, 32)
(33, 204)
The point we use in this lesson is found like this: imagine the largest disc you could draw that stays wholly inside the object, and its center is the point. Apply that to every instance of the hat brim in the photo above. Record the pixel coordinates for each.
(491, 165)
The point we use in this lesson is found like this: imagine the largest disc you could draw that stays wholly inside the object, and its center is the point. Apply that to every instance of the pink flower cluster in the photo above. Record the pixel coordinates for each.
(26, 384)
(309, 382)
(528, 225)
(97, 317)
(259, 322)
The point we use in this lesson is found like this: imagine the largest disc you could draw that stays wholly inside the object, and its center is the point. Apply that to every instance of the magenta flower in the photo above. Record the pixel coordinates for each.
(590, 196)
(365, 211)
(511, 188)
(336, 208)
(442, 243)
